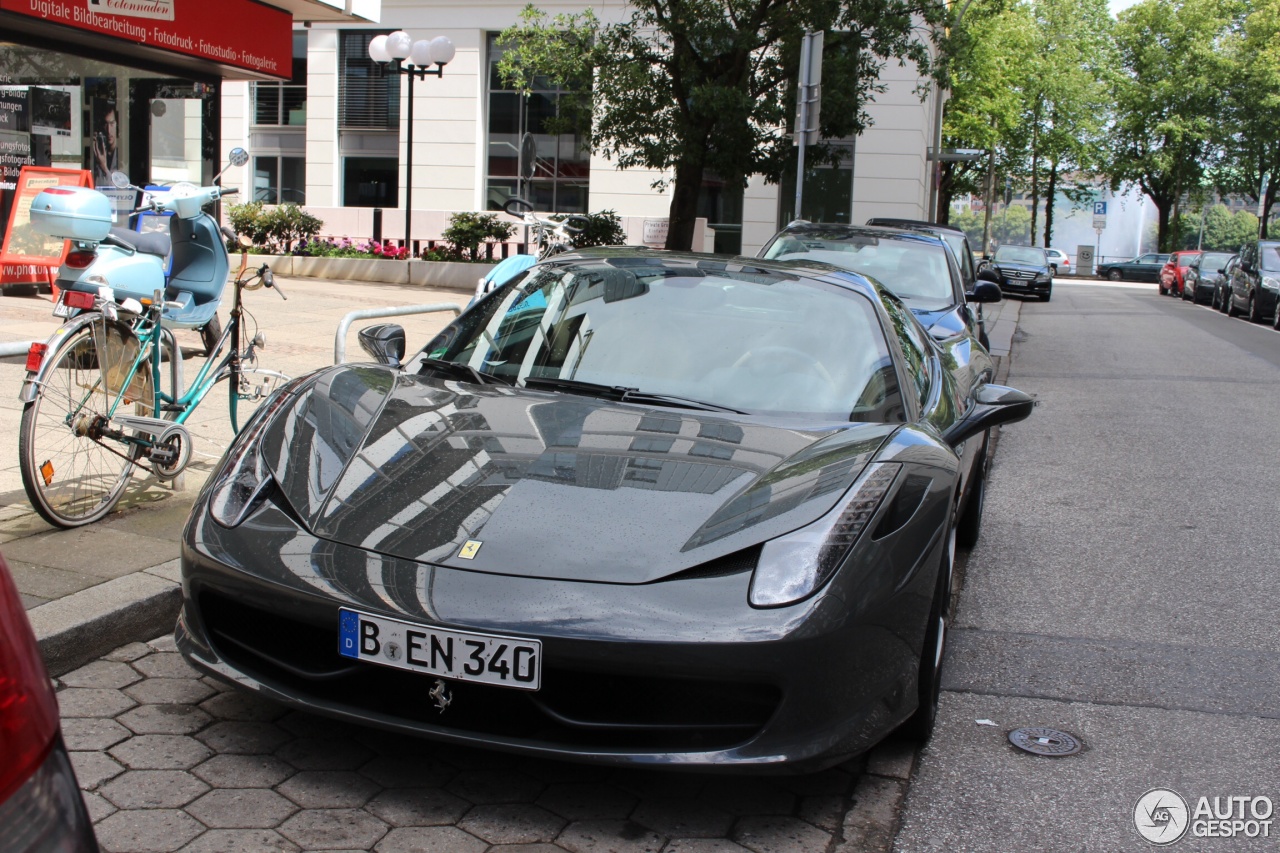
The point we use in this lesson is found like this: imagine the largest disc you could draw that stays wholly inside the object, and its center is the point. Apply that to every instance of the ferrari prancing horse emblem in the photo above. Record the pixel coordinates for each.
(440, 695)
(469, 549)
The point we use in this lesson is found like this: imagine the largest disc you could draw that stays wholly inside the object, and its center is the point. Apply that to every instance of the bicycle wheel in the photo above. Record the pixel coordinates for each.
(72, 471)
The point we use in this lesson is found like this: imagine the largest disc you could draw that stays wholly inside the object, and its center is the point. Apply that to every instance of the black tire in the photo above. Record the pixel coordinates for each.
(1186, 295)
(1214, 301)
(919, 726)
(1275, 320)
(210, 332)
(1255, 312)
(1115, 275)
(1159, 287)
(1225, 302)
(1047, 295)
(70, 478)
(969, 526)
(1232, 310)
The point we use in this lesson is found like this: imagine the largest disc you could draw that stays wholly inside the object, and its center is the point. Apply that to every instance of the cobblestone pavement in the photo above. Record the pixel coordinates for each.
(171, 761)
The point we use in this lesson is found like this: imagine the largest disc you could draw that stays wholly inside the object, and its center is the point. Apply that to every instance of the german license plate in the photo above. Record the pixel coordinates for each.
(62, 309)
(485, 658)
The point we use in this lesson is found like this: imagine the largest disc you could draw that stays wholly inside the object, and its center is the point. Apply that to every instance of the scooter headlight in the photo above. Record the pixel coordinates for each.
(794, 566)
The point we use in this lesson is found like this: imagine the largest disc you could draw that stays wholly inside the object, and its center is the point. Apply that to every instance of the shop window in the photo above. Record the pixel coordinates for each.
(279, 104)
(279, 180)
(370, 182)
(561, 175)
(367, 98)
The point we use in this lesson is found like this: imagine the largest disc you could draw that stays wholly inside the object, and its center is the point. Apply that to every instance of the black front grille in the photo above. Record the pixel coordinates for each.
(574, 709)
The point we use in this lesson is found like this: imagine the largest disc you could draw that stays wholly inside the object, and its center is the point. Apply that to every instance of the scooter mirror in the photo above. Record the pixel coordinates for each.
(120, 180)
(238, 157)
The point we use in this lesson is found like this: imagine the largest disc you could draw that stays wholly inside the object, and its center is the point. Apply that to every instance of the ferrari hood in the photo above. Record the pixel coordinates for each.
(541, 484)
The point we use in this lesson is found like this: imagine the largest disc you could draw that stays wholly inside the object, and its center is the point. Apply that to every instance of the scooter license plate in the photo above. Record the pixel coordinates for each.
(72, 300)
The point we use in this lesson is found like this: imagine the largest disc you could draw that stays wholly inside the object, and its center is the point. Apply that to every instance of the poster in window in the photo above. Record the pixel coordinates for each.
(104, 144)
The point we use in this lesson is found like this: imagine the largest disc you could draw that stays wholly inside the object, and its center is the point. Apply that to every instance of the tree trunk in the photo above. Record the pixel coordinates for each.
(1162, 224)
(684, 203)
(1050, 194)
(945, 193)
(1269, 198)
(1035, 170)
(989, 202)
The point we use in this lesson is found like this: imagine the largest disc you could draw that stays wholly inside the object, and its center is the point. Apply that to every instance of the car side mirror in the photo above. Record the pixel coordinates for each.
(385, 342)
(994, 405)
(984, 290)
(988, 274)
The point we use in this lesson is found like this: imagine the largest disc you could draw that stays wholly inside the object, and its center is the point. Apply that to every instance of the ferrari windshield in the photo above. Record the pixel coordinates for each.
(724, 335)
(1019, 255)
(911, 269)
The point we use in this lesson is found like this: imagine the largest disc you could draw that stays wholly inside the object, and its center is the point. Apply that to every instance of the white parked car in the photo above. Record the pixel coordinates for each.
(1058, 260)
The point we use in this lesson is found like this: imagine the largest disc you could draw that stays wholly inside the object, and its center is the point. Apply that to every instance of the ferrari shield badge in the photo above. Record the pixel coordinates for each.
(469, 549)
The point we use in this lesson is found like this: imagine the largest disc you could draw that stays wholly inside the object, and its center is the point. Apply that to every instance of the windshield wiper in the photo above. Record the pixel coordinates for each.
(623, 394)
(457, 370)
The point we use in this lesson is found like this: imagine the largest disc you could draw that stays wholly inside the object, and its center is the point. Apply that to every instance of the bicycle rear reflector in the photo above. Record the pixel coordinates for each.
(35, 356)
(78, 299)
(46, 472)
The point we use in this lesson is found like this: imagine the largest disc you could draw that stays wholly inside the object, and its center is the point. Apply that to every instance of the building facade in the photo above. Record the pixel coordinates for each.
(334, 139)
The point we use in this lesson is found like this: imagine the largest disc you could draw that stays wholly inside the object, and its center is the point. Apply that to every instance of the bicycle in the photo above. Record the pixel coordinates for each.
(94, 408)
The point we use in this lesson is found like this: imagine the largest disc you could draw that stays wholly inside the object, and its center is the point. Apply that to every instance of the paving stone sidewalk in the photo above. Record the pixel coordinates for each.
(170, 761)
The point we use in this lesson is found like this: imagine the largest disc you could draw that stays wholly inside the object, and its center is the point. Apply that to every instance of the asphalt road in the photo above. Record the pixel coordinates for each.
(1126, 588)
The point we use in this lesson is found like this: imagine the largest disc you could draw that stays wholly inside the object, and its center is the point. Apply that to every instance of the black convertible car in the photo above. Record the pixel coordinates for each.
(632, 507)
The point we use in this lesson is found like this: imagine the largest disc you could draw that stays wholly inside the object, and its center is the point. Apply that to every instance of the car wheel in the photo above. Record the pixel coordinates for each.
(1114, 275)
(1047, 295)
(919, 726)
(1225, 302)
(1186, 295)
(1214, 302)
(1275, 321)
(1232, 310)
(970, 523)
(1255, 313)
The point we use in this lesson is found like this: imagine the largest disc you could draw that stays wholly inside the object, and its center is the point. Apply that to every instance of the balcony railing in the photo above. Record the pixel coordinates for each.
(279, 104)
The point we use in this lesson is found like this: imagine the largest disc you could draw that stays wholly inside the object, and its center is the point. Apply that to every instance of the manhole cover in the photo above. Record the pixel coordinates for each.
(1041, 741)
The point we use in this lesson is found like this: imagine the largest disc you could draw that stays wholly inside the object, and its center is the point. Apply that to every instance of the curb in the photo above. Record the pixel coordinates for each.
(82, 627)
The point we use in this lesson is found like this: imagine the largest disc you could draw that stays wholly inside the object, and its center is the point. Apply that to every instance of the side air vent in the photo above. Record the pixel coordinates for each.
(904, 505)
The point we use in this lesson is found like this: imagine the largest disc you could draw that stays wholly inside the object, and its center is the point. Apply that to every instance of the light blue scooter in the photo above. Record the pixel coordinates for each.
(132, 264)
(552, 237)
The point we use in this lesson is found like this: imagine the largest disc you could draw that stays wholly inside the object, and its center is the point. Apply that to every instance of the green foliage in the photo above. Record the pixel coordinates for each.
(277, 230)
(1223, 230)
(247, 219)
(691, 86)
(1167, 100)
(602, 229)
(467, 231)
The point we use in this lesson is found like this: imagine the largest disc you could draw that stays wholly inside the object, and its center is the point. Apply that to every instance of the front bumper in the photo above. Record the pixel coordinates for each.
(680, 673)
(1025, 286)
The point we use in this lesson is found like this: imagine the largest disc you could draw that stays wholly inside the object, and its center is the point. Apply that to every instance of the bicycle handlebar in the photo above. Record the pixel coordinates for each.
(269, 280)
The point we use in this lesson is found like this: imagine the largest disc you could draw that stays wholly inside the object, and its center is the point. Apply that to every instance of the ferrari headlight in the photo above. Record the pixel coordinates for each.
(245, 480)
(794, 566)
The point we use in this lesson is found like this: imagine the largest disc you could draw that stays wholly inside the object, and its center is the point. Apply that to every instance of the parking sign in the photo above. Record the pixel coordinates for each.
(1099, 208)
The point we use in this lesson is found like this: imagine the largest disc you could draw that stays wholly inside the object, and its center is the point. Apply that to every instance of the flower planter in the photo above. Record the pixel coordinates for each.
(441, 274)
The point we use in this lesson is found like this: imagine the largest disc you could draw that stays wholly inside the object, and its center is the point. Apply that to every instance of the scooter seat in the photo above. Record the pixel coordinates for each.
(148, 243)
(191, 315)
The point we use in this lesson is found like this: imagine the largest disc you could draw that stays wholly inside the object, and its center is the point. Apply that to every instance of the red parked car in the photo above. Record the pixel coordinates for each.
(40, 804)
(1174, 272)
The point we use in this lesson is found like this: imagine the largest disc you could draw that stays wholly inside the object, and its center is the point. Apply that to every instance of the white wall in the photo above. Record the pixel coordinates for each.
(449, 129)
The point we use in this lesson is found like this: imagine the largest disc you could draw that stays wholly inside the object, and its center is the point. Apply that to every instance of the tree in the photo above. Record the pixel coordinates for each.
(987, 72)
(707, 86)
(1251, 141)
(1067, 99)
(1167, 100)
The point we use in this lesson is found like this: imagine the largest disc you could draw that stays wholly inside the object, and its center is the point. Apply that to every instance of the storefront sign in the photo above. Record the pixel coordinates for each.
(241, 33)
(26, 255)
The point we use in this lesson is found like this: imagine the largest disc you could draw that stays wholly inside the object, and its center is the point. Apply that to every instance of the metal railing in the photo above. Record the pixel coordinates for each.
(344, 326)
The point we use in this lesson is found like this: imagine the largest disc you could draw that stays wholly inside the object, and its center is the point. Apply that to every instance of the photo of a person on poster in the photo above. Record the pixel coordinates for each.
(105, 143)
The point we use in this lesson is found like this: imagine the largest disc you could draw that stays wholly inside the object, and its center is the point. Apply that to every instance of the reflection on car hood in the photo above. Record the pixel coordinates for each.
(942, 323)
(552, 485)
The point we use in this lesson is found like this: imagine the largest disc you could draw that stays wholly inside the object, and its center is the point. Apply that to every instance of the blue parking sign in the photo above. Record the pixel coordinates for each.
(1099, 208)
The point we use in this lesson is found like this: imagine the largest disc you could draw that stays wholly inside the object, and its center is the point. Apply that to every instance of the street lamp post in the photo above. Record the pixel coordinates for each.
(398, 53)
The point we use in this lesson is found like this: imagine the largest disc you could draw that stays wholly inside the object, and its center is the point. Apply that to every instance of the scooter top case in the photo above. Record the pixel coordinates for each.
(72, 213)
